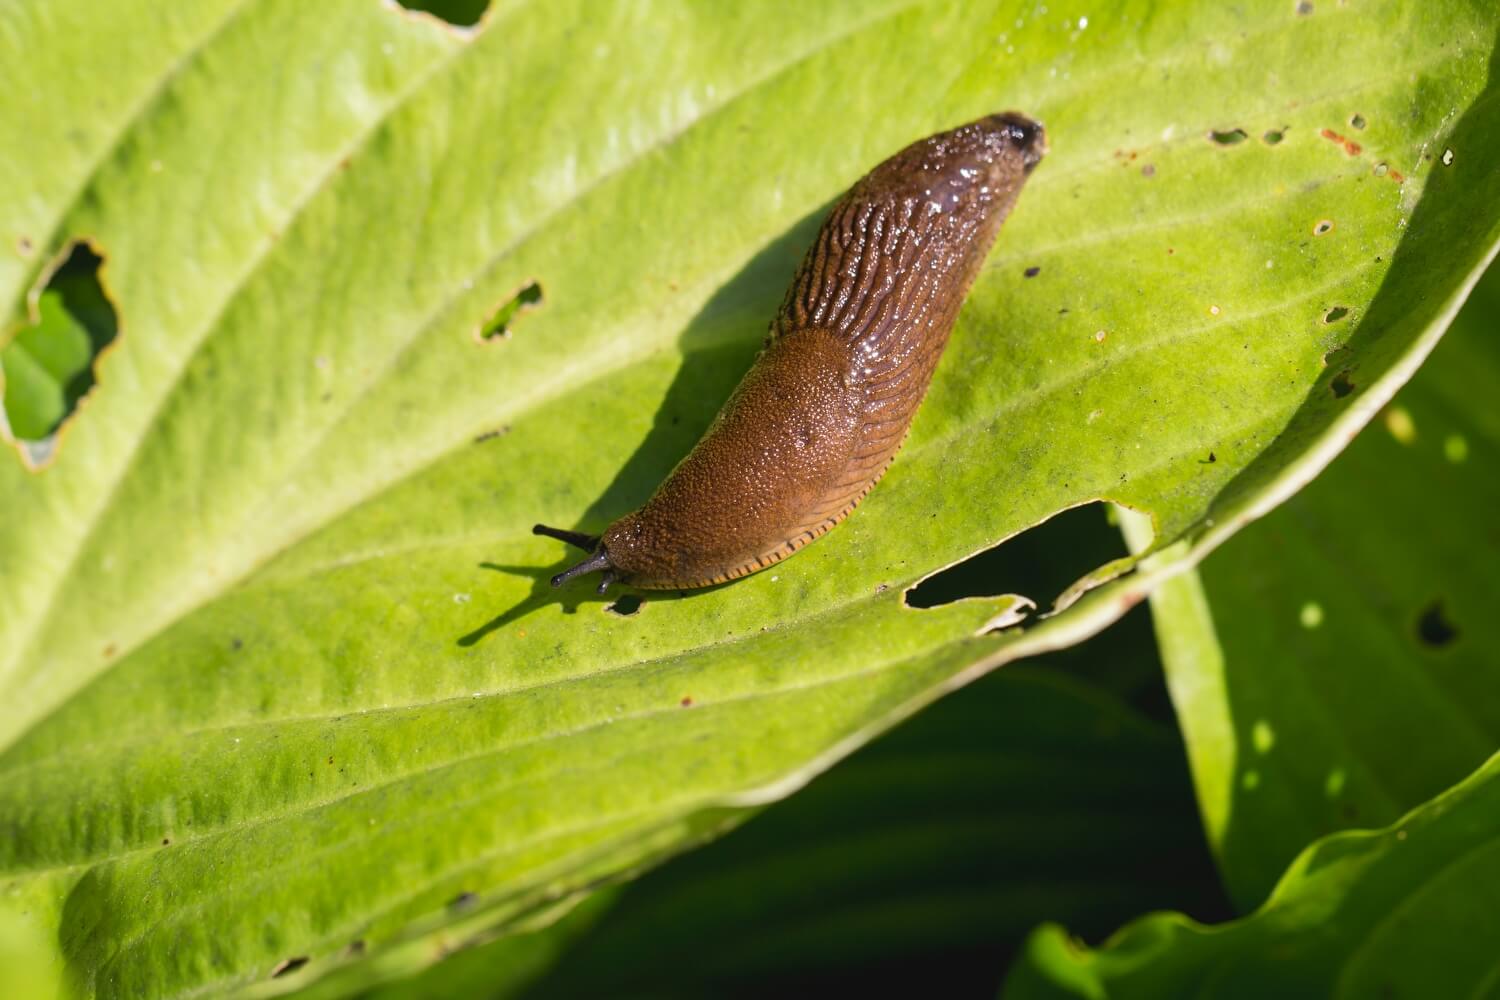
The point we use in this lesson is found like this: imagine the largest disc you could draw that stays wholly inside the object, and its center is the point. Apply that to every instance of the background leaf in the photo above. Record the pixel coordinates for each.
(282, 676)
(1398, 913)
(1358, 611)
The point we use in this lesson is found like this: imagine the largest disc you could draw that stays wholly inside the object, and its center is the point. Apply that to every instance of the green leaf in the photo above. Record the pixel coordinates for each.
(1407, 911)
(1336, 665)
(938, 846)
(279, 664)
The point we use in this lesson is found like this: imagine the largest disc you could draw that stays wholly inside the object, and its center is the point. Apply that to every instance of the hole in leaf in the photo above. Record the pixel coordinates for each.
(1041, 562)
(288, 965)
(507, 312)
(1434, 627)
(1032, 272)
(1323, 226)
(50, 366)
(1231, 137)
(1273, 137)
(625, 606)
(1358, 121)
(459, 13)
(1335, 314)
(1342, 385)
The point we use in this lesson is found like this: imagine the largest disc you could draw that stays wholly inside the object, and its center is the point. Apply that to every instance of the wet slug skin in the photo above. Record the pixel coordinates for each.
(825, 407)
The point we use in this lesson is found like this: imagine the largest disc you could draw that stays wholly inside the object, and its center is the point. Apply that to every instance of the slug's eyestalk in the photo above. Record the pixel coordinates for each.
(599, 560)
(578, 539)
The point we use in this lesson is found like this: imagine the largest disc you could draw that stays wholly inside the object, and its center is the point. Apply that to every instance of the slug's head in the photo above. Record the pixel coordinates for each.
(623, 554)
(973, 171)
(1015, 132)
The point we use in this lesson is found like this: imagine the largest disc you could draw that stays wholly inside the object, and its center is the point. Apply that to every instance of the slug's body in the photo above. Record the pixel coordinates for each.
(821, 414)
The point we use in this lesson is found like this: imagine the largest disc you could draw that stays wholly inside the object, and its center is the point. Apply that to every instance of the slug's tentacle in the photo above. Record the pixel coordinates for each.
(599, 560)
(577, 539)
(820, 416)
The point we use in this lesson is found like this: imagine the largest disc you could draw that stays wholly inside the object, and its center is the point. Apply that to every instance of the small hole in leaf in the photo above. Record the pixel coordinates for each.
(499, 322)
(1358, 121)
(1323, 227)
(1342, 385)
(1273, 137)
(1231, 137)
(1032, 272)
(51, 366)
(1335, 314)
(288, 965)
(460, 13)
(1041, 562)
(1380, 169)
(1434, 627)
(624, 606)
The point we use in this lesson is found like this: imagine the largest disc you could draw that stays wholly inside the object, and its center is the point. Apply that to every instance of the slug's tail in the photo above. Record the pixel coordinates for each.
(598, 560)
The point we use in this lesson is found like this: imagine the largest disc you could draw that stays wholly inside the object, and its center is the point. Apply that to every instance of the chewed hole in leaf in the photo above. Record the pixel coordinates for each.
(459, 13)
(1228, 137)
(1342, 384)
(50, 366)
(1323, 227)
(625, 606)
(1335, 314)
(288, 966)
(1358, 121)
(1434, 627)
(1039, 563)
(500, 319)
(1273, 137)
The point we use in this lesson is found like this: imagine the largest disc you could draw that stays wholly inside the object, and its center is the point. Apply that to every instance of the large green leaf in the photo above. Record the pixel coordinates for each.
(939, 846)
(280, 668)
(1408, 911)
(1336, 666)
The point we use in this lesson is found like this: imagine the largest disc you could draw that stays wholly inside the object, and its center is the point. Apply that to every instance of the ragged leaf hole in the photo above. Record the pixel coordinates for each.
(625, 605)
(1227, 137)
(288, 965)
(1434, 627)
(1040, 562)
(1342, 385)
(1335, 314)
(459, 13)
(52, 364)
(498, 324)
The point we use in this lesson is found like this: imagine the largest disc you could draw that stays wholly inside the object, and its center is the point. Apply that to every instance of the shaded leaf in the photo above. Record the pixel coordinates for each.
(281, 671)
(1336, 666)
(1408, 911)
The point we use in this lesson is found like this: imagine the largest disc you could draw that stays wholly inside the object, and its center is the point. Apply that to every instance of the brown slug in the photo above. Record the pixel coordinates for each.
(822, 412)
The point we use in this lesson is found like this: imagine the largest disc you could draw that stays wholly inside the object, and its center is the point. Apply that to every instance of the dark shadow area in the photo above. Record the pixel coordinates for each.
(1040, 562)
(924, 858)
(460, 13)
(718, 345)
(49, 366)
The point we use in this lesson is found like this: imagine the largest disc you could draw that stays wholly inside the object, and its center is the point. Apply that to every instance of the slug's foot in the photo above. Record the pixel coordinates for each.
(598, 560)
